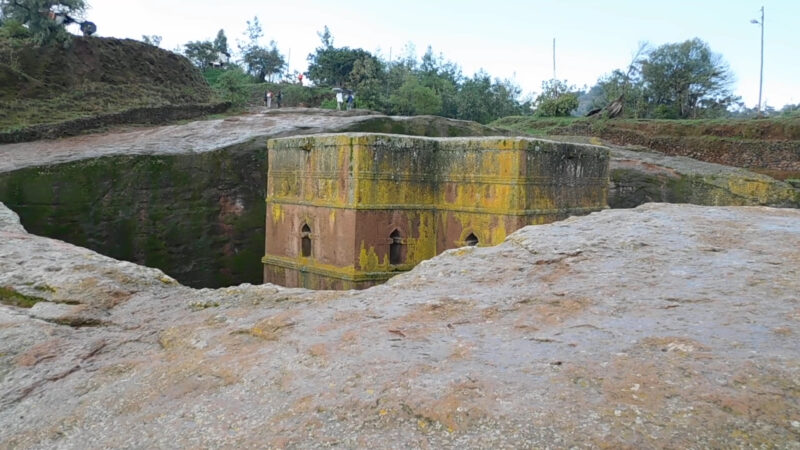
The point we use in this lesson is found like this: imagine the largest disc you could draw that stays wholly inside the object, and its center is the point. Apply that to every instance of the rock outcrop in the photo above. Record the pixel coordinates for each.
(640, 176)
(660, 326)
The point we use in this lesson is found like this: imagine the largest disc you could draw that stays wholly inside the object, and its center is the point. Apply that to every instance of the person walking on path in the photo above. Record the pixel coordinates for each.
(339, 100)
(269, 99)
(350, 100)
(279, 98)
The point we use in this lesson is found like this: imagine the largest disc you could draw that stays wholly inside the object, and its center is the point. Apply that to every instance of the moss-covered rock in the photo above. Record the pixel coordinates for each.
(198, 217)
(639, 177)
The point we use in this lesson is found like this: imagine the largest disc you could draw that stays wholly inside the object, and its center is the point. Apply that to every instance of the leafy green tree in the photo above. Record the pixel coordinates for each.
(472, 101)
(43, 17)
(331, 66)
(414, 99)
(153, 40)
(367, 79)
(684, 79)
(221, 42)
(260, 62)
(200, 53)
(504, 96)
(233, 85)
(326, 37)
(443, 77)
(611, 87)
(13, 38)
(558, 99)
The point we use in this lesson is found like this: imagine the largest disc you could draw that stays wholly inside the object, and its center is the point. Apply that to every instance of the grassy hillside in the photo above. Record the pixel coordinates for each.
(776, 129)
(94, 76)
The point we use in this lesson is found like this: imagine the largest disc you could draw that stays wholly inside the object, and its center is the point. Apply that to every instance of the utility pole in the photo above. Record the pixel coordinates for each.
(554, 58)
(761, 77)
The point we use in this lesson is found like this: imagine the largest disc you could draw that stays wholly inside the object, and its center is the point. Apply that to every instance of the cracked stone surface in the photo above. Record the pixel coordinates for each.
(661, 326)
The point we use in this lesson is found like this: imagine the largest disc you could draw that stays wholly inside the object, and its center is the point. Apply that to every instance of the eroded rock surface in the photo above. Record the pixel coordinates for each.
(661, 326)
(640, 176)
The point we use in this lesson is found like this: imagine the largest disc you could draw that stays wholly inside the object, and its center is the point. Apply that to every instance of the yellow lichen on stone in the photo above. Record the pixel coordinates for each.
(277, 213)
(368, 260)
(749, 188)
(355, 189)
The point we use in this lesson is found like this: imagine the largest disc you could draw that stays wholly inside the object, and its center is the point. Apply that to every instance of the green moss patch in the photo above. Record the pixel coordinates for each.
(10, 296)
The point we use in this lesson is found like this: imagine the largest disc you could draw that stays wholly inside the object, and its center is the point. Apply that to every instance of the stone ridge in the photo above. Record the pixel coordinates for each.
(665, 326)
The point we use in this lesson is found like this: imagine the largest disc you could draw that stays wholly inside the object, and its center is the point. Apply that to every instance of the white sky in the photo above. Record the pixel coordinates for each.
(508, 38)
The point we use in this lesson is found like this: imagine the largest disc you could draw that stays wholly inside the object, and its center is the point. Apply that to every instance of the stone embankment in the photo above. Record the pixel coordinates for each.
(662, 326)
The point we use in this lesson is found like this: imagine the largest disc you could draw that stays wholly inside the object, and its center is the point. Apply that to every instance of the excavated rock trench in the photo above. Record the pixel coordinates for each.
(189, 199)
(662, 326)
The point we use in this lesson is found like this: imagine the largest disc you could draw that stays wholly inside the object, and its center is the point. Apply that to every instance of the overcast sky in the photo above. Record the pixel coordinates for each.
(508, 38)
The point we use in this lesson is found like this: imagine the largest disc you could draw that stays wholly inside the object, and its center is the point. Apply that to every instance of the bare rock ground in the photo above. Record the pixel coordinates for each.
(662, 326)
(209, 135)
(193, 137)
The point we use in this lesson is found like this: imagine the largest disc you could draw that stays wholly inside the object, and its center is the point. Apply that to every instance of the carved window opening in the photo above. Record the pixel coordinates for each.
(471, 240)
(305, 241)
(395, 248)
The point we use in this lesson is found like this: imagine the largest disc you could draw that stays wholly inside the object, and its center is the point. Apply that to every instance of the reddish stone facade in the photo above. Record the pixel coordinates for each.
(351, 210)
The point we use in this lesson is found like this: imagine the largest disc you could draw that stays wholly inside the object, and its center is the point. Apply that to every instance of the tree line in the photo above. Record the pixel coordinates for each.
(685, 80)
(674, 81)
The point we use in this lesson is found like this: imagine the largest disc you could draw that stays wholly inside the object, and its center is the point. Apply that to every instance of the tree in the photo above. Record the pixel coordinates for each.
(332, 66)
(326, 37)
(44, 18)
(611, 87)
(233, 86)
(443, 77)
(260, 62)
(200, 53)
(413, 98)
(368, 80)
(558, 99)
(626, 85)
(683, 79)
(153, 40)
(13, 38)
(221, 43)
(471, 99)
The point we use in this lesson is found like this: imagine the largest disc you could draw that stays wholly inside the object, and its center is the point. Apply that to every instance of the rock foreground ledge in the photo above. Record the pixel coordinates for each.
(662, 326)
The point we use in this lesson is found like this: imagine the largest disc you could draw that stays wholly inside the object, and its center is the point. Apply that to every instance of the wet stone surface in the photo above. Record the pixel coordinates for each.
(661, 326)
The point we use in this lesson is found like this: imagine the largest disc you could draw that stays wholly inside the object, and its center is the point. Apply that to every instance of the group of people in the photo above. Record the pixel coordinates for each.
(268, 98)
(340, 99)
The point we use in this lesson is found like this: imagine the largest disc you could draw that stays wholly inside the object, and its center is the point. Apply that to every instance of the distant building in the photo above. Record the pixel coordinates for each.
(349, 211)
(223, 59)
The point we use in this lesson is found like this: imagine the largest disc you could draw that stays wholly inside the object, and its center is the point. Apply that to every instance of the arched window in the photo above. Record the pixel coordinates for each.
(305, 241)
(471, 240)
(395, 248)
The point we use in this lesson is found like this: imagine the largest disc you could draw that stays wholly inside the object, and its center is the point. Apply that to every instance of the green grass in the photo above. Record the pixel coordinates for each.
(535, 126)
(9, 296)
(91, 99)
(774, 128)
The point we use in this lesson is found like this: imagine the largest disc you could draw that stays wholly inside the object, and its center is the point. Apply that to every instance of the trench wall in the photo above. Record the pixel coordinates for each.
(198, 217)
